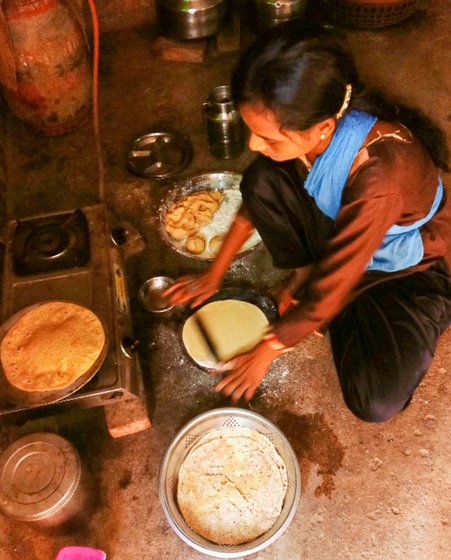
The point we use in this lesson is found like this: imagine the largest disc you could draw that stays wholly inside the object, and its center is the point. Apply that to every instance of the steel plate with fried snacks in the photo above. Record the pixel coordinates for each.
(189, 214)
(196, 215)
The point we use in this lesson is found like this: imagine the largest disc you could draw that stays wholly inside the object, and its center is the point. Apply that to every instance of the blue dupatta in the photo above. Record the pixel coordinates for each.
(402, 246)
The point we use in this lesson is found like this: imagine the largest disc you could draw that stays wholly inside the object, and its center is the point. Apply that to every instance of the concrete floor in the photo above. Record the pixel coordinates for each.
(368, 491)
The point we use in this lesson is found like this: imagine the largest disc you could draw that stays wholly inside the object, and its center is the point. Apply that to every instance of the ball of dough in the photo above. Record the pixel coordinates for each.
(215, 243)
(195, 244)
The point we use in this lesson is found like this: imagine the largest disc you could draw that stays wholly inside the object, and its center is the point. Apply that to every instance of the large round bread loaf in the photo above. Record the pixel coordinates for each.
(232, 485)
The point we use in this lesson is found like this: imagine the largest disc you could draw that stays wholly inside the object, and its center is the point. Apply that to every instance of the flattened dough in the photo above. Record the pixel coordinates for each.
(234, 326)
(51, 346)
(232, 485)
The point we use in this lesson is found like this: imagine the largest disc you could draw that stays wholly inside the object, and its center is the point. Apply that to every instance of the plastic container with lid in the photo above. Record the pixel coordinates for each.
(80, 553)
(41, 480)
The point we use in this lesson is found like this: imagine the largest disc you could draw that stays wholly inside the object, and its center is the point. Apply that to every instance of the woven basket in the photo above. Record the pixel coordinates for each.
(370, 13)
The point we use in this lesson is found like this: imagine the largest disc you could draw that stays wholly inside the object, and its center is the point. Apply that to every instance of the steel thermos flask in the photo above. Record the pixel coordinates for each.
(224, 124)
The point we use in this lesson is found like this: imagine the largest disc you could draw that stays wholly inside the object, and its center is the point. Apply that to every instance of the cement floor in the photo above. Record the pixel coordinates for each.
(368, 491)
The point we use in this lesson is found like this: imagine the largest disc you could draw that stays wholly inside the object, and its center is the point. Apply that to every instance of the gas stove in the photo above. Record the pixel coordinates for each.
(75, 256)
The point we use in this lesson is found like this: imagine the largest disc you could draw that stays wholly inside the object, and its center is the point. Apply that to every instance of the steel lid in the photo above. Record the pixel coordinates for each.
(38, 475)
(159, 155)
(184, 5)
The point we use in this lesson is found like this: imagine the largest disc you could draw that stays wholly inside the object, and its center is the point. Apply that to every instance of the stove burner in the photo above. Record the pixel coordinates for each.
(48, 241)
(51, 243)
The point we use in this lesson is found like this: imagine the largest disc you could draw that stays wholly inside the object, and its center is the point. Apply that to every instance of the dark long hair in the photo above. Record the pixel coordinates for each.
(300, 72)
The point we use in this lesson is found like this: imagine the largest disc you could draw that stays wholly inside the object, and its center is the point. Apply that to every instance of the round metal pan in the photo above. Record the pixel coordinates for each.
(159, 154)
(14, 395)
(214, 181)
(265, 303)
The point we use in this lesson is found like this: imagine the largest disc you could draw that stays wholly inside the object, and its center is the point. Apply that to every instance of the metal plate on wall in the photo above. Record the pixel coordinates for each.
(158, 155)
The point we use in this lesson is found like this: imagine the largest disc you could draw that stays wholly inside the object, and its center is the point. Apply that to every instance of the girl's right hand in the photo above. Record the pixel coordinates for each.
(285, 301)
(193, 289)
(283, 293)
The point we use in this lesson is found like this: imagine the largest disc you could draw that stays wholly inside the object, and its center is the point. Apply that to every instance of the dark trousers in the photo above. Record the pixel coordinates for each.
(384, 340)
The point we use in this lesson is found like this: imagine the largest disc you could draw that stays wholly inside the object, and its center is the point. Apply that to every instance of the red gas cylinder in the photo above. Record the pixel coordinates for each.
(54, 81)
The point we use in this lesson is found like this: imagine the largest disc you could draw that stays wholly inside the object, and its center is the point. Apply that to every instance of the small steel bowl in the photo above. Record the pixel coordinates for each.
(151, 294)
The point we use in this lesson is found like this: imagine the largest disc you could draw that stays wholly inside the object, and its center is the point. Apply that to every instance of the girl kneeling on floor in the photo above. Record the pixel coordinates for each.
(346, 192)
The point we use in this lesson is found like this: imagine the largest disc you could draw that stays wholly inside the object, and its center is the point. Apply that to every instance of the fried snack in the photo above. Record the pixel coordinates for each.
(186, 216)
(195, 244)
(215, 243)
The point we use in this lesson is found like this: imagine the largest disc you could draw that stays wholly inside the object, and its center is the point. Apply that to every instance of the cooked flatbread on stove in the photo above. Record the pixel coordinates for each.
(234, 326)
(232, 485)
(51, 346)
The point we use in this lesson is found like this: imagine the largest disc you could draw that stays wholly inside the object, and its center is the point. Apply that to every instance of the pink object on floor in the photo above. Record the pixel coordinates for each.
(80, 553)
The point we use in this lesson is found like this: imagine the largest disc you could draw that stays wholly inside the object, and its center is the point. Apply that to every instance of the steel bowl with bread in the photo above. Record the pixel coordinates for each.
(181, 446)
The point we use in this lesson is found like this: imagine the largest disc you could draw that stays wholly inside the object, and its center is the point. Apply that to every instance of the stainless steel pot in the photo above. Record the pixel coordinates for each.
(191, 19)
(269, 13)
(41, 480)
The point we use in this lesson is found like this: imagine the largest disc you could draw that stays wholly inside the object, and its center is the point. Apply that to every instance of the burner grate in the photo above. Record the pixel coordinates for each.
(51, 243)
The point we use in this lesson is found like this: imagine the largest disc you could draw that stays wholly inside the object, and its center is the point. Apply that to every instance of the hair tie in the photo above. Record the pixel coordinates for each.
(346, 101)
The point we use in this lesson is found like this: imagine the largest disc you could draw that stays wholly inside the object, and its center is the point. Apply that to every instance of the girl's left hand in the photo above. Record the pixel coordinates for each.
(245, 372)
